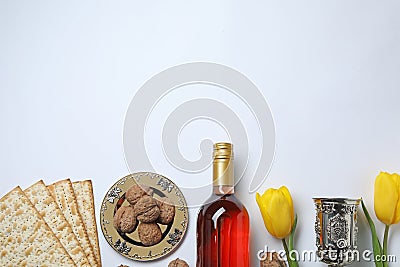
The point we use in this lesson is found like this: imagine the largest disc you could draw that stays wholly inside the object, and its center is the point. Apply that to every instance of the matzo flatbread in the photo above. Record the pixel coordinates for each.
(84, 195)
(63, 193)
(41, 198)
(25, 238)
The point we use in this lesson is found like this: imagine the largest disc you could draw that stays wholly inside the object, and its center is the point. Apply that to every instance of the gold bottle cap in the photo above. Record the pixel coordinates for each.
(223, 151)
(223, 164)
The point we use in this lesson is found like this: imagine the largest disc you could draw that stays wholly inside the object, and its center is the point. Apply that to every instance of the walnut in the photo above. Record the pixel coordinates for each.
(272, 260)
(125, 219)
(135, 192)
(178, 263)
(167, 211)
(149, 233)
(146, 209)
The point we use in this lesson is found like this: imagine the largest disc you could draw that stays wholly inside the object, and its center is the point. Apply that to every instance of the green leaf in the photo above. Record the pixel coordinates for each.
(376, 245)
(292, 263)
(291, 236)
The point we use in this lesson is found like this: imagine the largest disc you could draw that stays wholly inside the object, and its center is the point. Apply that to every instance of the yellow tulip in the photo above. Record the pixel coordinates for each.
(387, 198)
(276, 206)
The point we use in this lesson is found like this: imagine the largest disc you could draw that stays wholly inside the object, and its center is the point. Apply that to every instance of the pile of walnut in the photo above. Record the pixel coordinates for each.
(178, 263)
(175, 263)
(145, 211)
(272, 260)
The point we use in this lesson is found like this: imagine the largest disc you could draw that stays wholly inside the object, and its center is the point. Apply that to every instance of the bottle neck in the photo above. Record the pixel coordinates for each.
(223, 169)
(223, 190)
(223, 178)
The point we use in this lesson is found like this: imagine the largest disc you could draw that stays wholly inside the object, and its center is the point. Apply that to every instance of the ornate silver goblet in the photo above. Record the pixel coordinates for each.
(336, 230)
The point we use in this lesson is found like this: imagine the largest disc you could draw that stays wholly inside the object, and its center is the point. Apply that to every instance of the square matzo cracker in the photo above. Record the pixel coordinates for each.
(41, 198)
(84, 195)
(63, 193)
(25, 238)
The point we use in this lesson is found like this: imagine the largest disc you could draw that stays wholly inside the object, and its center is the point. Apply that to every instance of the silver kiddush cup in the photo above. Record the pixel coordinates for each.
(336, 230)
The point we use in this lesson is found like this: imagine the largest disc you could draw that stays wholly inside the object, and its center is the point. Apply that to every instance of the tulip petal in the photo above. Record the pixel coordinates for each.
(262, 204)
(396, 179)
(276, 207)
(269, 223)
(279, 211)
(386, 196)
(288, 197)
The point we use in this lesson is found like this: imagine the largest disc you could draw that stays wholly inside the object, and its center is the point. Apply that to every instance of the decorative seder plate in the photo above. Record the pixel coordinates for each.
(129, 245)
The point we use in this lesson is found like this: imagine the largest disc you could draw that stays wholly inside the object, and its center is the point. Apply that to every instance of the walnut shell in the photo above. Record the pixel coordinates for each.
(135, 192)
(167, 211)
(125, 219)
(149, 233)
(178, 263)
(147, 210)
(272, 260)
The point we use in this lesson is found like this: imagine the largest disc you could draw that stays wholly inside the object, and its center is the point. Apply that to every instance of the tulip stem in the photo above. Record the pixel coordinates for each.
(385, 241)
(291, 262)
(285, 246)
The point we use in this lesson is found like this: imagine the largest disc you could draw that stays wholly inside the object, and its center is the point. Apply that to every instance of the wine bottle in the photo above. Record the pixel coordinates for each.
(223, 227)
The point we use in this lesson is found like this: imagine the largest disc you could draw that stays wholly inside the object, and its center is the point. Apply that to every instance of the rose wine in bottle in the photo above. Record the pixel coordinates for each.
(223, 227)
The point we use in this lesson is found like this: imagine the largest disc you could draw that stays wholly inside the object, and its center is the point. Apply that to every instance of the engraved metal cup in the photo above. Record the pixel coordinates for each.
(336, 230)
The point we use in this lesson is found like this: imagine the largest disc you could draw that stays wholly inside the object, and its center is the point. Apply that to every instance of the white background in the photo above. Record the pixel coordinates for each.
(328, 69)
